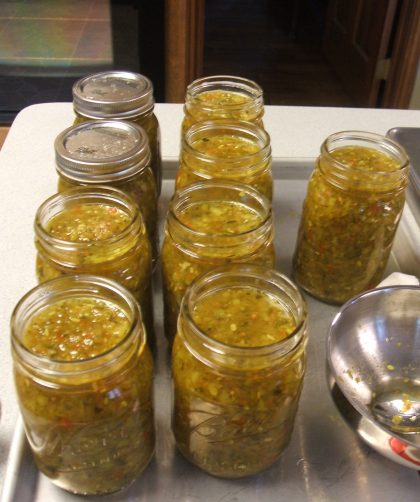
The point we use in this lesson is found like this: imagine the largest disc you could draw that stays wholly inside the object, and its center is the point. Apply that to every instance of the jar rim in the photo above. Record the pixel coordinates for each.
(261, 136)
(72, 286)
(253, 274)
(231, 83)
(393, 148)
(231, 126)
(183, 196)
(77, 195)
(243, 83)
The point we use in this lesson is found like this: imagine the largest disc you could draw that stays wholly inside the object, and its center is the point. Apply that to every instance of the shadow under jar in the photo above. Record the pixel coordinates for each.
(209, 224)
(226, 149)
(83, 375)
(238, 363)
(110, 153)
(96, 231)
(120, 95)
(223, 97)
(352, 208)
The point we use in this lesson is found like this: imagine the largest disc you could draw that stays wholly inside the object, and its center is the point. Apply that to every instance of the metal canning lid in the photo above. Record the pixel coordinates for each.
(113, 94)
(102, 151)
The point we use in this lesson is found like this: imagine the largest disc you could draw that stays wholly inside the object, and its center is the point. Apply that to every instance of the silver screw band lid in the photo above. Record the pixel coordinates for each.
(113, 94)
(102, 151)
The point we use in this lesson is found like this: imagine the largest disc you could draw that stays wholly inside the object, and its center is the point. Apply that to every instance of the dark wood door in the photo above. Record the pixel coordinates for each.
(357, 42)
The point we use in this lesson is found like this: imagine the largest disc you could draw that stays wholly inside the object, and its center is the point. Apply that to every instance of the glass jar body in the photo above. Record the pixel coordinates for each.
(223, 97)
(125, 257)
(89, 423)
(349, 220)
(234, 409)
(226, 149)
(186, 254)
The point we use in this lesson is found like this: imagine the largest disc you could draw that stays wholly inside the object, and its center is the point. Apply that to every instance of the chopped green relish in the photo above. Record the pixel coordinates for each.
(220, 217)
(346, 233)
(76, 329)
(91, 431)
(88, 222)
(222, 98)
(243, 317)
(236, 420)
(225, 146)
(365, 159)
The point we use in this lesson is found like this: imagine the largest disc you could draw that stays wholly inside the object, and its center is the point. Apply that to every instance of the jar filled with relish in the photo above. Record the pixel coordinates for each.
(352, 208)
(110, 153)
(223, 97)
(208, 224)
(226, 149)
(120, 95)
(238, 364)
(83, 374)
(96, 231)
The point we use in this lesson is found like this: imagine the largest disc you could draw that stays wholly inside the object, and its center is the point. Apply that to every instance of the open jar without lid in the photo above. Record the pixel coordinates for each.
(351, 212)
(226, 149)
(238, 363)
(87, 407)
(223, 96)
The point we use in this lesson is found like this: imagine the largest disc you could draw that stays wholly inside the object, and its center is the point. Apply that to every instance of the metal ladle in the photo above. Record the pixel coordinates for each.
(400, 412)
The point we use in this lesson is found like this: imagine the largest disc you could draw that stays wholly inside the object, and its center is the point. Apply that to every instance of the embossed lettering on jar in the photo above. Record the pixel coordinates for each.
(110, 153)
(96, 231)
(238, 363)
(350, 215)
(208, 224)
(223, 97)
(120, 95)
(226, 149)
(83, 375)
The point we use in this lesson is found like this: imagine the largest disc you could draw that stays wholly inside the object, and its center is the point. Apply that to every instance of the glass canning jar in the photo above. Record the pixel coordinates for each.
(100, 231)
(208, 224)
(85, 396)
(120, 95)
(238, 364)
(226, 149)
(223, 97)
(110, 153)
(353, 204)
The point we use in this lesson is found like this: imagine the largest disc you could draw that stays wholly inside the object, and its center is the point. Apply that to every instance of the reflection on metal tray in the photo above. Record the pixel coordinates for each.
(325, 461)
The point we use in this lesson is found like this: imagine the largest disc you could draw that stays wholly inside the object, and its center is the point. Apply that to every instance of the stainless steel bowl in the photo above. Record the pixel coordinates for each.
(373, 350)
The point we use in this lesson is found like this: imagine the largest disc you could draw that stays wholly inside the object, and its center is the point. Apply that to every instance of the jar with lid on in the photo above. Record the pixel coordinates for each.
(96, 231)
(208, 224)
(238, 364)
(110, 153)
(83, 374)
(352, 208)
(120, 95)
(226, 149)
(223, 97)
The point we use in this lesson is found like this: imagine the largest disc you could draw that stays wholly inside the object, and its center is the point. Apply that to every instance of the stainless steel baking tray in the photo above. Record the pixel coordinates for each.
(325, 461)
